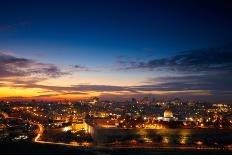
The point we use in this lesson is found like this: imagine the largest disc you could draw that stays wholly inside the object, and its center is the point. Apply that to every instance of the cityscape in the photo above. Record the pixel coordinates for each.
(93, 123)
(110, 77)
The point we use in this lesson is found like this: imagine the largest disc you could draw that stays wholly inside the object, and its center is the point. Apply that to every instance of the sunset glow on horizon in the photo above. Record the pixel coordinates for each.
(115, 51)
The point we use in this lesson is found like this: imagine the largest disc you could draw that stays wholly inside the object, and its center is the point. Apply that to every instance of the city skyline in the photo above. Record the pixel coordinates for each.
(116, 50)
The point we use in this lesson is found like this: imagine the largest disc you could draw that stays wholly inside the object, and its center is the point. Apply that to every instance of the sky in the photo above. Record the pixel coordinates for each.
(116, 49)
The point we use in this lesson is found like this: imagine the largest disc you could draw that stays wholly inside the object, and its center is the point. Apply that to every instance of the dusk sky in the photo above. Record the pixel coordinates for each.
(116, 49)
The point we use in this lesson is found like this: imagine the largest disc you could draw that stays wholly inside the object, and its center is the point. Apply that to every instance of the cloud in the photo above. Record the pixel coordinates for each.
(102, 88)
(202, 72)
(58, 94)
(211, 82)
(81, 68)
(209, 73)
(16, 72)
(73, 89)
(207, 59)
(191, 87)
(12, 66)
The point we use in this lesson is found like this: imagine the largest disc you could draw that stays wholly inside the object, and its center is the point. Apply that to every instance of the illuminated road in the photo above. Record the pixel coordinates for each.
(89, 145)
(40, 133)
(41, 130)
(5, 115)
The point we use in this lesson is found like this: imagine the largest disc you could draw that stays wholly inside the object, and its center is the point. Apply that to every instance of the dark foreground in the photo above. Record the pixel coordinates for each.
(45, 149)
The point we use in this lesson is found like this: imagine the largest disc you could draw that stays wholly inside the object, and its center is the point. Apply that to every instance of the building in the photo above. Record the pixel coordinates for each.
(168, 116)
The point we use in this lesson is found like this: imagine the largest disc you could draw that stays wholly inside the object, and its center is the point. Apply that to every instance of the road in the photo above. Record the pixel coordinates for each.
(41, 130)
(40, 133)
(5, 115)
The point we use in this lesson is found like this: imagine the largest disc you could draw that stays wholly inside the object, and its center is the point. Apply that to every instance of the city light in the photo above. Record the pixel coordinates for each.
(116, 77)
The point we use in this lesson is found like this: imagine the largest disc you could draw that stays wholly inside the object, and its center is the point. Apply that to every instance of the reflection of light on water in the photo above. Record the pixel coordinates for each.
(166, 140)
